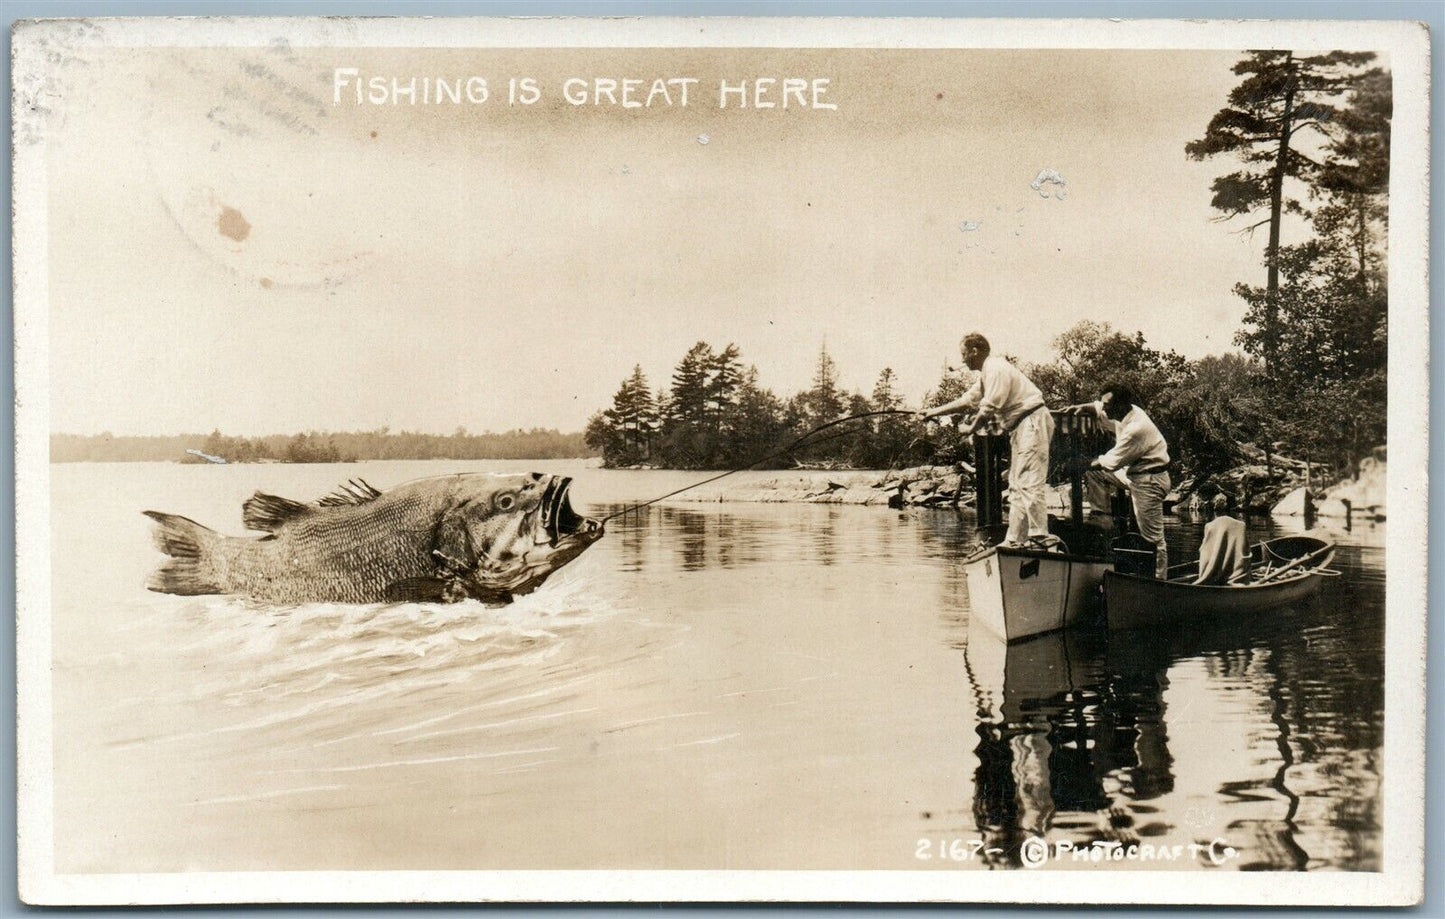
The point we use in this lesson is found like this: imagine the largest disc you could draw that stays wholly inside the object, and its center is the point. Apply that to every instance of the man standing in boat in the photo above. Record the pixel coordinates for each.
(1139, 461)
(1007, 398)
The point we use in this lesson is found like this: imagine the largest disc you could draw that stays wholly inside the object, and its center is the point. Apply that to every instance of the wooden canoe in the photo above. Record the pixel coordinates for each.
(1282, 571)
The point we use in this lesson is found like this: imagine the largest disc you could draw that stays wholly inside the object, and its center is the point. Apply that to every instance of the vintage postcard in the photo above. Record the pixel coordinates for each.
(720, 460)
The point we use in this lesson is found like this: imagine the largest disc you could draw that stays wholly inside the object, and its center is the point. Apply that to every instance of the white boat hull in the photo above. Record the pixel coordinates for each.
(1015, 593)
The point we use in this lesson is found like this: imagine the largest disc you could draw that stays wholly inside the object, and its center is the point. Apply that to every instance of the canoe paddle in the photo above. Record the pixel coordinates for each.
(1274, 575)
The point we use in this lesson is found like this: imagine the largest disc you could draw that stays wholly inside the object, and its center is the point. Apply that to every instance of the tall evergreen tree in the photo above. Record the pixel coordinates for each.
(1330, 311)
(759, 428)
(892, 435)
(724, 381)
(1281, 96)
(690, 386)
(688, 433)
(635, 413)
(624, 433)
(824, 402)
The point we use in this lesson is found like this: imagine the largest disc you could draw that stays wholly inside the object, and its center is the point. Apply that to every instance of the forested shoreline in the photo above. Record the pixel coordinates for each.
(1311, 135)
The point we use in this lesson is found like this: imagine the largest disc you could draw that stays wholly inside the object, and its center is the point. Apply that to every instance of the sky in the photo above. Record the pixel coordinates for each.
(232, 247)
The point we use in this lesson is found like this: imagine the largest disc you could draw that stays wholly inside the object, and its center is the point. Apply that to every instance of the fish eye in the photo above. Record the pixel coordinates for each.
(506, 502)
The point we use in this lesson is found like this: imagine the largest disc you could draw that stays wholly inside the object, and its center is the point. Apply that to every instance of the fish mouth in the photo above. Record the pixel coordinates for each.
(559, 520)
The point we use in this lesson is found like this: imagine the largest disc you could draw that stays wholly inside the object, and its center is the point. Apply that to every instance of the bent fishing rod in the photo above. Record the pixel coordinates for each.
(795, 444)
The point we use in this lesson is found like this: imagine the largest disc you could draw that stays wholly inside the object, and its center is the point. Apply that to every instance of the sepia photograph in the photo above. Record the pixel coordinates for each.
(720, 460)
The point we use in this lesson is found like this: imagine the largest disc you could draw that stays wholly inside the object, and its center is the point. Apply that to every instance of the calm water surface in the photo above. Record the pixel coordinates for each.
(710, 686)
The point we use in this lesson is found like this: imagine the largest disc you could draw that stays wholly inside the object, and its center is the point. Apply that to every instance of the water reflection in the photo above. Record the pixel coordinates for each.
(707, 537)
(701, 539)
(1262, 733)
(1063, 730)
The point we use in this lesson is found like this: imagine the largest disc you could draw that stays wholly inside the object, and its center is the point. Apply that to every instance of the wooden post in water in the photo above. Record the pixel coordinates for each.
(1073, 426)
(988, 502)
(1309, 496)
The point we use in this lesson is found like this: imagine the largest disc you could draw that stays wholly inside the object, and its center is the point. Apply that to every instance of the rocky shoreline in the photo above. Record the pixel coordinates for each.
(1290, 488)
(1280, 490)
(923, 486)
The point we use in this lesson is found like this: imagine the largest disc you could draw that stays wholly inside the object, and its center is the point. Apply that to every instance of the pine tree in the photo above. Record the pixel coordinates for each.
(690, 388)
(1282, 94)
(759, 428)
(824, 401)
(635, 414)
(1329, 314)
(624, 433)
(892, 435)
(725, 378)
(687, 436)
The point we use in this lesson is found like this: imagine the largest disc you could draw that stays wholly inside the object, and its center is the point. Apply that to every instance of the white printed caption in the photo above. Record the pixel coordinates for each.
(952, 850)
(1035, 852)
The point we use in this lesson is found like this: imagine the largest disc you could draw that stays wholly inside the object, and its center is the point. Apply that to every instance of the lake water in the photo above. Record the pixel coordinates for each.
(710, 686)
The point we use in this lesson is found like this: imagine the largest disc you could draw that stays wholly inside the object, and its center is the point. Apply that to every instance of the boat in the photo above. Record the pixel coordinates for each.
(1281, 571)
(1018, 592)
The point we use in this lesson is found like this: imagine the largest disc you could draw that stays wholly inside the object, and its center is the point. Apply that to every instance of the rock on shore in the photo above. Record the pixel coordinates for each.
(1361, 497)
(1365, 493)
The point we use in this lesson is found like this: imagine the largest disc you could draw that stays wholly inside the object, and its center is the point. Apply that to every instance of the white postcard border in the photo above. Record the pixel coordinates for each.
(1399, 883)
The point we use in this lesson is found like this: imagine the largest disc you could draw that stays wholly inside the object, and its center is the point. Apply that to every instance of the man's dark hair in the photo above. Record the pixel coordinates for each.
(1122, 394)
(975, 340)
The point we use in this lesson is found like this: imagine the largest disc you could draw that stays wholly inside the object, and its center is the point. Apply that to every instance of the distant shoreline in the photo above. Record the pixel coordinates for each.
(350, 462)
(319, 447)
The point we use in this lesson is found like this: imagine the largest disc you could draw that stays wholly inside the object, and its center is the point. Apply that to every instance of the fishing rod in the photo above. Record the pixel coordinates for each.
(795, 444)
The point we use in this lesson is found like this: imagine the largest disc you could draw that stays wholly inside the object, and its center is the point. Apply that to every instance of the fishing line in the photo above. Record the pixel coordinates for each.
(796, 443)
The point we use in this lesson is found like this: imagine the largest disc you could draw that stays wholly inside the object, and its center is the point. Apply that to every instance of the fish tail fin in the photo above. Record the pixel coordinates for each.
(188, 544)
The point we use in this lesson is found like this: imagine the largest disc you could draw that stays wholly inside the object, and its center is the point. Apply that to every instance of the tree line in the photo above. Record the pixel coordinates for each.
(320, 447)
(1312, 136)
(717, 414)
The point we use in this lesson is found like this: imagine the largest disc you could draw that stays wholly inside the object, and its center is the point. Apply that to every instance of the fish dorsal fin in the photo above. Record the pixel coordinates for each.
(268, 513)
(354, 492)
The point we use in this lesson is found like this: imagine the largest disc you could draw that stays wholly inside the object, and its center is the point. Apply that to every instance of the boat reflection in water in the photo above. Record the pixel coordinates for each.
(1263, 734)
(1060, 734)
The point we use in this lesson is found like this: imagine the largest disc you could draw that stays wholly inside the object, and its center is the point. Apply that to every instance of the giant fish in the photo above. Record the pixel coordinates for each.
(449, 538)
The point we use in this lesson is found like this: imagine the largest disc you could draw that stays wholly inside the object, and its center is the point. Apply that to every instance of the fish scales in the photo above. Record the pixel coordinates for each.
(446, 538)
(342, 554)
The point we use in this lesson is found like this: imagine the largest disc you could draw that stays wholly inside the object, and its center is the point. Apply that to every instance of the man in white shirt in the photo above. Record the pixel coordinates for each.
(1007, 398)
(1139, 461)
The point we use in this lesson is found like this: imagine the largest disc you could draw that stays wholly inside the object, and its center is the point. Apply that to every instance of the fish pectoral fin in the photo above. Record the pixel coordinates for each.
(420, 590)
(452, 545)
(268, 513)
